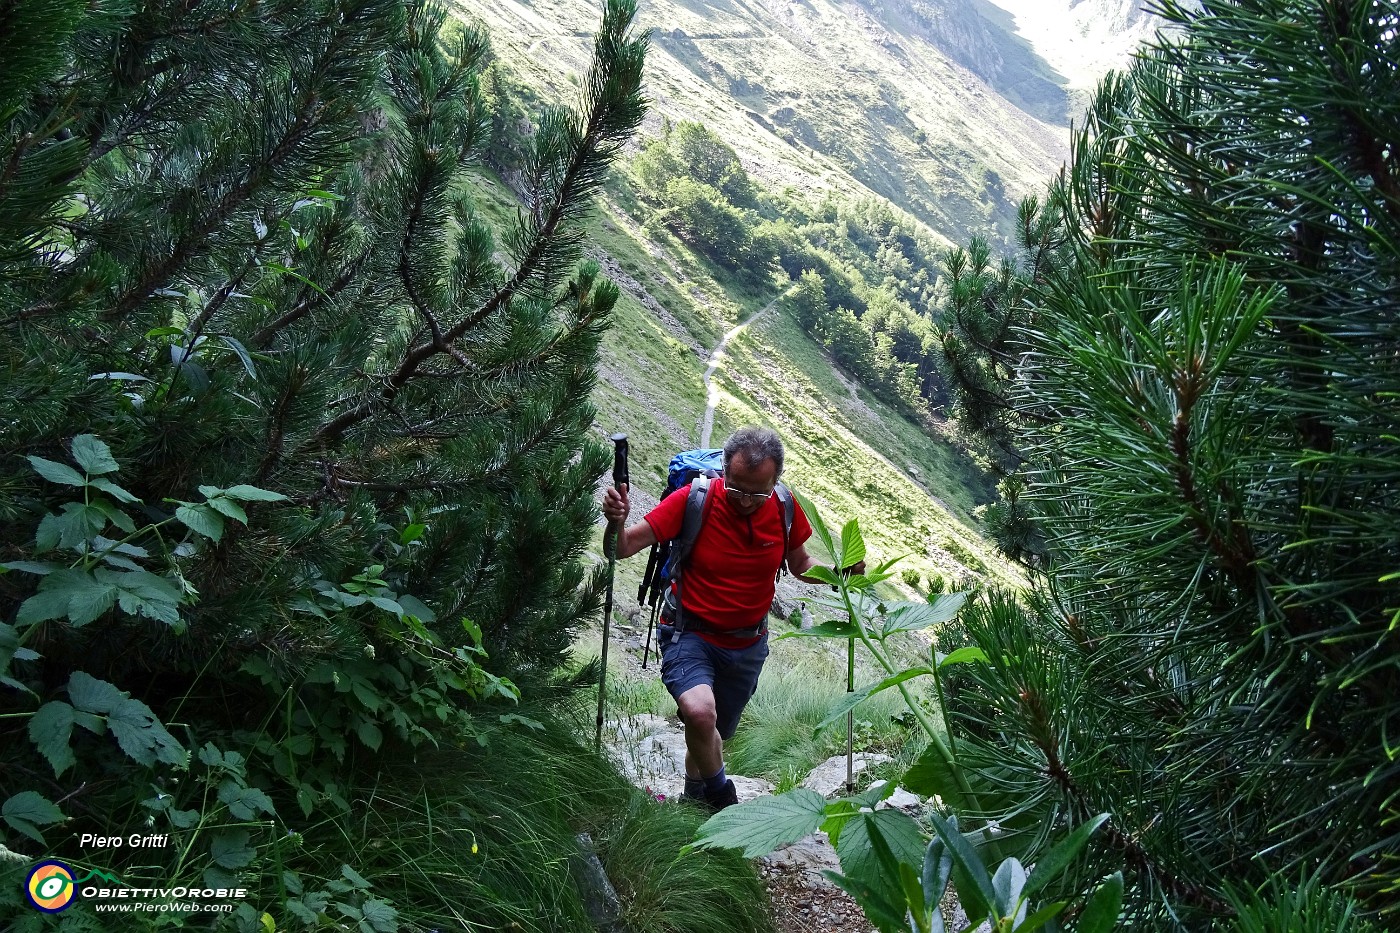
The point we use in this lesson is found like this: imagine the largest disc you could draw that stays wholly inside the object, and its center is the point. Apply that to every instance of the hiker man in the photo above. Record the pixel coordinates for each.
(714, 643)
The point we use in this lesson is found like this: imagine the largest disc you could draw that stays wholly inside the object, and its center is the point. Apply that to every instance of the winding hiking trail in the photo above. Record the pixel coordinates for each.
(707, 423)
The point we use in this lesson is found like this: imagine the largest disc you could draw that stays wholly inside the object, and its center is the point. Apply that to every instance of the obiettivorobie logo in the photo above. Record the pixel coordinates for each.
(51, 886)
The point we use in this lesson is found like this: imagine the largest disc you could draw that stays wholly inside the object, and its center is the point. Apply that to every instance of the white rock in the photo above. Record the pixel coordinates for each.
(810, 855)
(829, 777)
(900, 799)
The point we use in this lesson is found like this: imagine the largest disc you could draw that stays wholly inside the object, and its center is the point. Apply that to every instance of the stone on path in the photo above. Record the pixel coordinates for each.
(829, 777)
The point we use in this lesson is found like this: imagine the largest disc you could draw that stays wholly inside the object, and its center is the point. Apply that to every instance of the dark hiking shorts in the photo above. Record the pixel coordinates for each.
(732, 673)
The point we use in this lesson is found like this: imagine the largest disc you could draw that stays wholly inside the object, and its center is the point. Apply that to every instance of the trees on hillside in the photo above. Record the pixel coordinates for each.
(286, 446)
(1200, 388)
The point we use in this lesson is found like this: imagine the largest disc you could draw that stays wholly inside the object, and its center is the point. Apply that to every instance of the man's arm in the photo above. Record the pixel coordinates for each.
(637, 538)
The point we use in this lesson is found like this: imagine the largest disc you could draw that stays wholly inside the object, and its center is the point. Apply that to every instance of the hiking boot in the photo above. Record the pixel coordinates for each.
(726, 796)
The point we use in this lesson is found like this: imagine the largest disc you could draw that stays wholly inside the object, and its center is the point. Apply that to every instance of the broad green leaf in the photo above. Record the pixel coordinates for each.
(417, 609)
(412, 533)
(56, 472)
(354, 877)
(1050, 865)
(93, 456)
(969, 874)
(1041, 917)
(824, 630)
(887, 917)
(1007, 884)
(824, 574)
(838, 814)
(230, 849)
(141, 592)
(910, 616)
(51, 730)
(873, 794)
(142, 736)
(244, 803)
(41, 607)
(201, 519)
(933, 776)
(114, 515)
(852, 545)
(913, 893)
(380, 916)
(388, 605)
(229, 508)
(78, 523)
(818, 525)
(28, 810)
(852, 699)
(92, 695)
(113, 490)
(965, 655)
(369, 734)
(254, 494)
(759, 826)
(872, 845)
(243, 355)
(49, 533)
(938, 866)
(38, 567)
(1101, 910)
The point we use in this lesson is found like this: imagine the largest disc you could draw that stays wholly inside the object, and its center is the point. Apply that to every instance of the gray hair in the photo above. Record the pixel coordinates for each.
(757, 445)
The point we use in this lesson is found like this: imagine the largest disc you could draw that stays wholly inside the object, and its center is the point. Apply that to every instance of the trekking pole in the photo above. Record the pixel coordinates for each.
(651, 624)
(610, 549)
(850, 717)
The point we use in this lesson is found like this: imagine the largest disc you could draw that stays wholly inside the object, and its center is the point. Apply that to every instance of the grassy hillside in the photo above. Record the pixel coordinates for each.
(938, 107)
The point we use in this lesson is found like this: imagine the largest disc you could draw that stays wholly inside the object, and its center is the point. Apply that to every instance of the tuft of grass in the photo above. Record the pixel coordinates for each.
(665, 891)
(778, 738)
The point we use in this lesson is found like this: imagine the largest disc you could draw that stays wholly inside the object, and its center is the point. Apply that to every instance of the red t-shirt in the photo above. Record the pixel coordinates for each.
(729, 579)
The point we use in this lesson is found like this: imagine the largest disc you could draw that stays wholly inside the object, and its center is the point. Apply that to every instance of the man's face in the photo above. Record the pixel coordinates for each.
(742, 477)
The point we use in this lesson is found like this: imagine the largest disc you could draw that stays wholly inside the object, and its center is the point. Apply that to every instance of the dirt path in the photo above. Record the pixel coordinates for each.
(707, 423)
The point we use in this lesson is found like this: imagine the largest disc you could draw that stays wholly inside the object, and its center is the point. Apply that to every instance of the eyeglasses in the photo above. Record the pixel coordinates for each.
(745, 498)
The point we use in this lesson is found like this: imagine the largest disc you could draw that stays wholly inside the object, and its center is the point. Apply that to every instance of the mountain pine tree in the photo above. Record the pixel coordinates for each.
(295, 417)
(1200, 387)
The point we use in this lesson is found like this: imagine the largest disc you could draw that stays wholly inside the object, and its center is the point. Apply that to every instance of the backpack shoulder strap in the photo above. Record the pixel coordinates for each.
(696, 506)
(789, 507)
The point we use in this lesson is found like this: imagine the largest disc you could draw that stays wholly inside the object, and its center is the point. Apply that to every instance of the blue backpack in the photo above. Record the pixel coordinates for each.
(668, 558)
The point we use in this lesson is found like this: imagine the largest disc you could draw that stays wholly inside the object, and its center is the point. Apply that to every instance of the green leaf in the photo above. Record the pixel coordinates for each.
(92, 695)
(41, 607)
(872, 845)
(230, 849)
(38, 567)
(938, 867)
(113, 490)
(759, 826)
(824, 630)
(380, 916)
(965, 655)
(369, 734)
(1007, 884)
(93, 456)
(51, 730)
(28, 810)
(417, 609)
(244, 803)
(49, 533)
(229, 508)
(243, 355)
(911, 616)
(1101, 910)
(56, 472)
(1041, 917)
(354, 877)
(879, 911)
(412, 533)
(854, 698)
(852, 545)
(142, 736)
(1050, 865)
(970, 876)
(77, 524)
(114, 515)
(818, 525)
(141, 592)
(202, 520)
(254, 494)
(932, 776)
